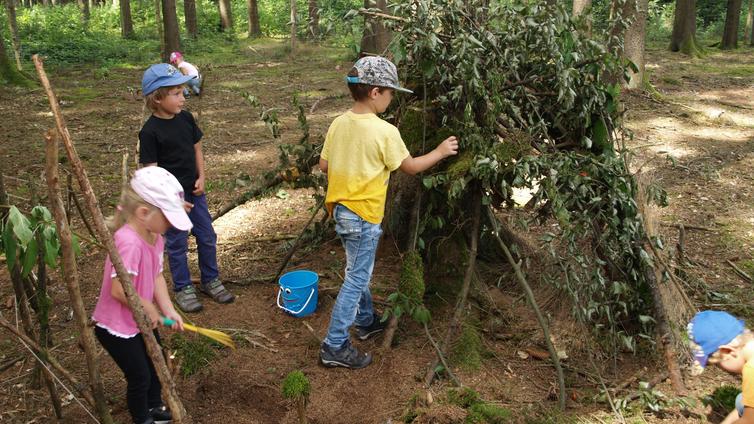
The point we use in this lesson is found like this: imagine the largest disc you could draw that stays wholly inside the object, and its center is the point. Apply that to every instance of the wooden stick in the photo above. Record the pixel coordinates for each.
(296, 243)
(71, 278)
(687, 227)
(455, 321)
(534, 306)
(382, 15)
(124, 173)
(154, 350)
(80, 388)
(741, 273)
(441, 356)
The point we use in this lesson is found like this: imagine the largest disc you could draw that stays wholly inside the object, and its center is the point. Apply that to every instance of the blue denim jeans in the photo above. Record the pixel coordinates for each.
(176, 245)
(354, 302)
(194, 85)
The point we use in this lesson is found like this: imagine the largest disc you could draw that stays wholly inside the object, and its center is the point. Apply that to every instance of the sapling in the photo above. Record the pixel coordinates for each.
(296, 387)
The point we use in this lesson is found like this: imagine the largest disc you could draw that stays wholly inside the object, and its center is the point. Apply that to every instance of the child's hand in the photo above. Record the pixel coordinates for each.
(187, 206)
(177, 320)
(152, 314)
(199, 186)
(448, 147)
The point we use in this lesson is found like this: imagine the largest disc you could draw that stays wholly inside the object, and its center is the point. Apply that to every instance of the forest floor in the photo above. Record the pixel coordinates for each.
(695, 137)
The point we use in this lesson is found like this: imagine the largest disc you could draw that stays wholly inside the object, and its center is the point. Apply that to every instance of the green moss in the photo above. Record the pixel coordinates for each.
(411, 282)
(722, 400)
(481, 413)
(468, 350)
(412, 129)
(296, 386)
(460, 166)
(464, 397)
(194, 353)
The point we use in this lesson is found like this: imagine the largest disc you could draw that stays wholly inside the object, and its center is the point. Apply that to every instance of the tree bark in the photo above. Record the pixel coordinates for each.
(154, 350)
(294, 24)
(255, 29)
(126, 23)
(749, 21)
(8, 71)
(85, 10)
(71, 278)
(376, 37)
(226, 16)
(730, 32)
(189, 12)
(581, 6)
(160, 32)
(313, 19)
(634, 40)
(172, 34)
(10, 8)
(683, 38)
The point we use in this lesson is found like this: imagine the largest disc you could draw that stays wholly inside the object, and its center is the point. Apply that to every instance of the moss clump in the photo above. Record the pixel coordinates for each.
(467, 351)
(461, 165)
(411, 127)
(411, 282)
(194, 353)
(464, 397)
(482, 412)
(722, 400)
(296, 386)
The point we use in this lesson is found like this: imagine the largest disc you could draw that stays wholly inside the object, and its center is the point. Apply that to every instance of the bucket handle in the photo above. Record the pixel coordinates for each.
(291, 311)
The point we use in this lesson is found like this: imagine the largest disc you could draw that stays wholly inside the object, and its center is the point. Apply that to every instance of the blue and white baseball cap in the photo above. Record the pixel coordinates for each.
(709, 330)
(162, 75)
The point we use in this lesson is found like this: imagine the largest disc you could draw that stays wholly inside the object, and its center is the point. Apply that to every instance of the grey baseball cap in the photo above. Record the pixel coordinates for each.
(377, 71)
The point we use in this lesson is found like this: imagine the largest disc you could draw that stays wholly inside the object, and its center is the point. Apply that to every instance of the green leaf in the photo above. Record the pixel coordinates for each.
(51, 253)
(29, 257)
(21, 226)
(11, 247)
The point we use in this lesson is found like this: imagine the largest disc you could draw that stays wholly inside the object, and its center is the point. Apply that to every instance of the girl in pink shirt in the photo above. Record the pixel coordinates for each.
(152, 204)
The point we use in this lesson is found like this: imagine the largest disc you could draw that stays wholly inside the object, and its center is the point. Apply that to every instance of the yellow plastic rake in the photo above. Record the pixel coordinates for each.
(215, 335)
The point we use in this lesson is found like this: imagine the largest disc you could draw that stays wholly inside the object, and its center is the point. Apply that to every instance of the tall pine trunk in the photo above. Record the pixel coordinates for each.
(634, 40)
(172, 34)
(683, 38)
(294, 23)
(164, 54)
(226, 17)
(313, 19)
(255, 29)
(189, 12)
(126, 23)
(749, 32)
(581, 6)
(84, 6)
(8, 71)
(376, 37)
(730, 32)
(10, 8)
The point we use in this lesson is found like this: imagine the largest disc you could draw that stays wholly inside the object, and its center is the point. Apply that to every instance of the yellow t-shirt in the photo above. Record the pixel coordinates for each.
(747, 385)
(361, 150)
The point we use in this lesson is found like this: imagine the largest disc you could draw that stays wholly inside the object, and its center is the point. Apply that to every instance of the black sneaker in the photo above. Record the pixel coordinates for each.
(347, 356)
(376, 327)
(161, 415)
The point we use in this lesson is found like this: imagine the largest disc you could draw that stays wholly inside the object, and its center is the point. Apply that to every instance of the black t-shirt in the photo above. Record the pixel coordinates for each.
(170, 143)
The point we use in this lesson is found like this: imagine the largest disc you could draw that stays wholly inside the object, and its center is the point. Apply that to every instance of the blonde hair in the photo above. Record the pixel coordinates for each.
(152, 99)
(739, 341)
(129, 201)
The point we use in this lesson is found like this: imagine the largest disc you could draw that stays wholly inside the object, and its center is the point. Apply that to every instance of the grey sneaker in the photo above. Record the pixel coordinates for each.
(187, 299)
(217, 291)
(347, 356)
(376, 327)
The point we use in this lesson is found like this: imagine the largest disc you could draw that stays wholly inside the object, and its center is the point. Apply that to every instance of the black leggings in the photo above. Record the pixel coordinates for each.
(130, 354)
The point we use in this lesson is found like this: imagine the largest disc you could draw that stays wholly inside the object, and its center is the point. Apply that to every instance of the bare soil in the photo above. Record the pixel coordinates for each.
(696, 138)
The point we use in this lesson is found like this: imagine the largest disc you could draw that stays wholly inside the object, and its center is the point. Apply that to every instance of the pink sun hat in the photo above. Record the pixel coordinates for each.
(161, 189)
(175, 57)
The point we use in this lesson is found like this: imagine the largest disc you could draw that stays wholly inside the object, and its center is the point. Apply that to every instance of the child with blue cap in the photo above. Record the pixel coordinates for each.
(171, 139)
(721, 339)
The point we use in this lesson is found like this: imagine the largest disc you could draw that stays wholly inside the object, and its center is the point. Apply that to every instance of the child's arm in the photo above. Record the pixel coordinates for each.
(413, 166)
(116, 290)
(162, 298)
(746, 418)
(323, 165)
(199, 184)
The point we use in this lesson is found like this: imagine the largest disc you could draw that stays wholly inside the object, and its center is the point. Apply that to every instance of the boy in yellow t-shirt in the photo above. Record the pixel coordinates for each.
(359, 153)
(720, 338)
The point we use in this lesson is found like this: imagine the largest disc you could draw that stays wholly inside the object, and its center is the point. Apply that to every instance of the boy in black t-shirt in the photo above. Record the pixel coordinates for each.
(171, 139)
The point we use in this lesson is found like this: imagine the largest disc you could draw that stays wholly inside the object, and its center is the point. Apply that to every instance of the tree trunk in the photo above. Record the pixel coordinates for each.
(10, 8)
(581, 6)
(172, 34)
(294, 13)
(226, 17)
(376, 37)
(9, 72)
(313, 19)
(71, 277)
(683, 38)
(189, 12)
(749, 20)
(160, 33)
(634, 40)
(255, 29)
(730, 32)
(126, 23)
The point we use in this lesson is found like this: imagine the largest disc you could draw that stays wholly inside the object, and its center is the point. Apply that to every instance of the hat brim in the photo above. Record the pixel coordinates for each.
(179, 220)
(402, 90)
(171, 82)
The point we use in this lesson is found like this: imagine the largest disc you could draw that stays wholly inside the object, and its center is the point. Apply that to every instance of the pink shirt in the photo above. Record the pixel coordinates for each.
(189, 68)
(144, 262)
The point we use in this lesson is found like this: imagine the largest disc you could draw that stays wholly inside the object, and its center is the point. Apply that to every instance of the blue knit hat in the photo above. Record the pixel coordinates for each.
(709, 330)
(162, 75)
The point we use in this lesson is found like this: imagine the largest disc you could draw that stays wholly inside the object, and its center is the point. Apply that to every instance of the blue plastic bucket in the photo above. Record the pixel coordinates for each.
(298, 290)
